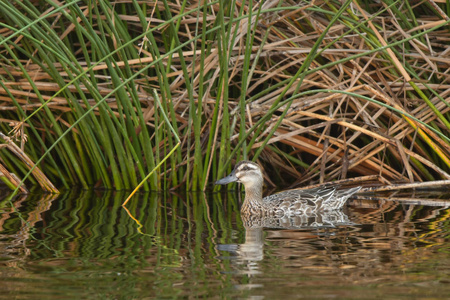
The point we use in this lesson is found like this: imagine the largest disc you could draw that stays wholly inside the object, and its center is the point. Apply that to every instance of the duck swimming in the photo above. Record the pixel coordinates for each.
(287, 203)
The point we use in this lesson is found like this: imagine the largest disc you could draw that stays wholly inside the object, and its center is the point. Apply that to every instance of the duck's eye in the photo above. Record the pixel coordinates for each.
(247, 168)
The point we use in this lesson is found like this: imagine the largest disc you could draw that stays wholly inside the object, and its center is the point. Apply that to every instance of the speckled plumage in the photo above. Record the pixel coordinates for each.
(287, 203)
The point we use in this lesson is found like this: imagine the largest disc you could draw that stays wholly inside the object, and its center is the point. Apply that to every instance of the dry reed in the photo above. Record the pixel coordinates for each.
(371, 102)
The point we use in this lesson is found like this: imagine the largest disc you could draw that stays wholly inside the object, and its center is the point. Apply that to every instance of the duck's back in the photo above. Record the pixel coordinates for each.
(295, 202)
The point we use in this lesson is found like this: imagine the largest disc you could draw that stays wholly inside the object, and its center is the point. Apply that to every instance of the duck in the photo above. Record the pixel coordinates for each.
(287, 203)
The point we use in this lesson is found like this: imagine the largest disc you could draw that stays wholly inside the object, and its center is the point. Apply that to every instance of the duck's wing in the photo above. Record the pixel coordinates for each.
(324, 198)
(295, 202)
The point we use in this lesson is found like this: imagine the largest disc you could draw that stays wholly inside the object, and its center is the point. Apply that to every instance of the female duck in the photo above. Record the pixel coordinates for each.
(288, 203)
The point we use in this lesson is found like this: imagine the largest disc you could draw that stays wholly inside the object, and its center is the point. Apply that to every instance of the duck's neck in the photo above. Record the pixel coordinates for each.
(253, 198)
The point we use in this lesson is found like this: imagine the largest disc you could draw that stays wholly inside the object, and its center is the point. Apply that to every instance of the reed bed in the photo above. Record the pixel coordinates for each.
(103, 93)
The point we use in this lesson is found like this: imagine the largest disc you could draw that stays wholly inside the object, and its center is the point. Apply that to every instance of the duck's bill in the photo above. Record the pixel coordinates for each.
(230, 178)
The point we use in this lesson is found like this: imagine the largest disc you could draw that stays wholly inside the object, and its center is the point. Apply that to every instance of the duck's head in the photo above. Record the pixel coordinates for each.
(246, 172)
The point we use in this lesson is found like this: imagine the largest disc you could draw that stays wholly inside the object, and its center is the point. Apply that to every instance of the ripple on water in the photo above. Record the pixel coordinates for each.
(85, 245)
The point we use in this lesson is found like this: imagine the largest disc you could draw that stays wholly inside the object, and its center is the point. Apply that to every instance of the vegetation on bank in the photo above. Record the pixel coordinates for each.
(103, 93)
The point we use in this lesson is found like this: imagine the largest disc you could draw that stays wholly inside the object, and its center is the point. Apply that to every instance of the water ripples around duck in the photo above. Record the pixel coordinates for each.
(85, 245)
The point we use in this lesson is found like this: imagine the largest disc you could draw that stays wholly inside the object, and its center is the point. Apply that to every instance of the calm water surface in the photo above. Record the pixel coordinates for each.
(84, 245)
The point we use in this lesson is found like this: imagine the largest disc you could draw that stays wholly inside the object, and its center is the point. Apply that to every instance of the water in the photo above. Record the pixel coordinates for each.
(84, 245)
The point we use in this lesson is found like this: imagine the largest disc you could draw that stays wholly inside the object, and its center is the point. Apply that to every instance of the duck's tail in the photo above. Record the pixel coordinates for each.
(340, 197)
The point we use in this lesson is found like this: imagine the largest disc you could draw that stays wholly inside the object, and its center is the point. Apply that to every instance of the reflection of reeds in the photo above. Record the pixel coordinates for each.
(16, 222)
(337, 90)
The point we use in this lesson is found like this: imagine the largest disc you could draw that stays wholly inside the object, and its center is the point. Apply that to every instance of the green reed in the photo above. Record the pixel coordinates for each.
(78, 82)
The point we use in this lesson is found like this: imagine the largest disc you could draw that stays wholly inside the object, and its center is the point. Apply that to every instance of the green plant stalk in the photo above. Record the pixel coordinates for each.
(93, 107)
(258, 55)
(54, 72)
(149, 174)
(31, 127)
(68, 149)
(424, 136)
(195, 38)
(273, 109)
(132, 151)
(16, 166)
(166, 157)
(421, 168)
(8, 183)
(289, 157)
(255, 136)
(172, 129)
(361, 24)
(195, 112)
(152, 159)
(120, 182)
(159, 133)
(174, 43)
(144, 140)
(430, 104)
(213, 129)
(222, 42)
(91, 127)
(301, 75)
(245, 73)
(400, 112)
(67, 152)
(201, 91)
(84, 161)
(355, 56)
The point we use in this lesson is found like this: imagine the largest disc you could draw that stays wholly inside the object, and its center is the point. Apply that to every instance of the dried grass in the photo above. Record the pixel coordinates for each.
(357, 111)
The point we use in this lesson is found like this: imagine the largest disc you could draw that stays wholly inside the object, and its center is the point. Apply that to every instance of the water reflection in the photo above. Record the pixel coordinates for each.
(83, 244)
(247, 255)
(398, 247)
(252, 249)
